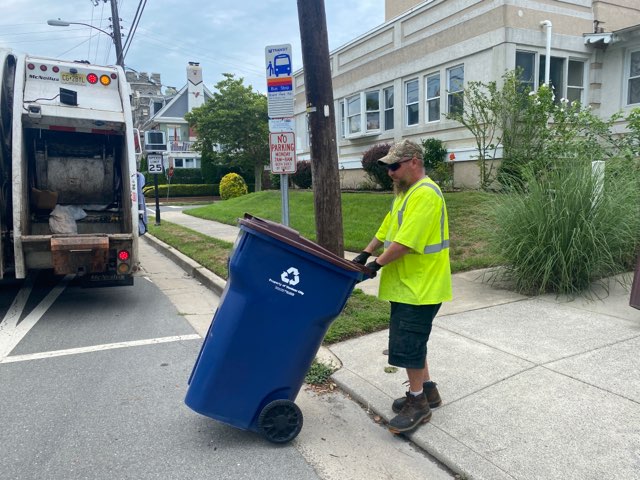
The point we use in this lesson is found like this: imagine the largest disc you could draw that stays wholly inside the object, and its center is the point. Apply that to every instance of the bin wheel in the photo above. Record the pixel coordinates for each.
(280, 421)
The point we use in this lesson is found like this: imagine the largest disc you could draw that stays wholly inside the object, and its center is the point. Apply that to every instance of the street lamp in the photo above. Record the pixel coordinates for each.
(116, 39)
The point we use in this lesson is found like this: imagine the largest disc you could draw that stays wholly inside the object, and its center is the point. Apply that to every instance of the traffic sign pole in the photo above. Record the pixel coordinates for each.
(155, 184)
(284, 194)
(154, 166)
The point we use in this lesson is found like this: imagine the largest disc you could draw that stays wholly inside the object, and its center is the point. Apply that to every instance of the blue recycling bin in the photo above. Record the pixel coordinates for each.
(283, 293)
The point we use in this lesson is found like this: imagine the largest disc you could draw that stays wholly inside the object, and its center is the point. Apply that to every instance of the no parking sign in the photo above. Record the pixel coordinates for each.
(283, 152)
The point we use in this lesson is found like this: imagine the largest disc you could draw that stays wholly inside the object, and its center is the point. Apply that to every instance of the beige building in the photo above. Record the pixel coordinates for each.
(398, 80)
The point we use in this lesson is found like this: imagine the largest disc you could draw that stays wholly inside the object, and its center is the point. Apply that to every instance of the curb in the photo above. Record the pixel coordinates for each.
(197, 271)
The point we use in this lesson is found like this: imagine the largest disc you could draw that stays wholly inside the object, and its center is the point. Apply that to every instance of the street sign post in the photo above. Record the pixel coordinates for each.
(155, 166)
(281, 125)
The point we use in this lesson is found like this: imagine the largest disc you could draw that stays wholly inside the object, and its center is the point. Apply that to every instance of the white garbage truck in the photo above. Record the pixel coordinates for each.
(68, 180)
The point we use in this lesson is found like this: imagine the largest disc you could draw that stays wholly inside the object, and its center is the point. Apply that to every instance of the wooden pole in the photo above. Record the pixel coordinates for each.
(322, 127)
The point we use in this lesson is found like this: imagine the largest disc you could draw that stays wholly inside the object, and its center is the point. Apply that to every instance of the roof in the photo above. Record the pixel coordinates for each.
(175, 110)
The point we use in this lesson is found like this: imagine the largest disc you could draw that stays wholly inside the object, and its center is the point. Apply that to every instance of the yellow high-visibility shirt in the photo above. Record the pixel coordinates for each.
(418, 220)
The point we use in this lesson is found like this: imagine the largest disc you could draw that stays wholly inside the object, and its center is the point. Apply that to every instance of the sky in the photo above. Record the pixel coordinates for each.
(224, 36)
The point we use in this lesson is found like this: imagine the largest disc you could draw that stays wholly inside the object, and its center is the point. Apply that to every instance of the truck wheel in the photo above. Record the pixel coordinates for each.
(280, 421)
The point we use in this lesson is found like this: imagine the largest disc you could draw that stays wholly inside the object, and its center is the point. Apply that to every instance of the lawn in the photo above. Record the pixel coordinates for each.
(362, 213)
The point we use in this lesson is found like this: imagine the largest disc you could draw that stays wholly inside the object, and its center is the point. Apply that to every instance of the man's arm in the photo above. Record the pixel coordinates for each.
(394, 252)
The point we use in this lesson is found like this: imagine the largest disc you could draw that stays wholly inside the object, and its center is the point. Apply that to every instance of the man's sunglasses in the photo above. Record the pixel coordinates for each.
(395, 166)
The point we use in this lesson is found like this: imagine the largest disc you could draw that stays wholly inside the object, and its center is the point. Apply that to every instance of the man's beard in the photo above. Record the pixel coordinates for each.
(400, 187)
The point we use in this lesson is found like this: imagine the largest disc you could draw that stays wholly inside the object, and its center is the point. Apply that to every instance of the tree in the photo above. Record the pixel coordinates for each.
(236, 121)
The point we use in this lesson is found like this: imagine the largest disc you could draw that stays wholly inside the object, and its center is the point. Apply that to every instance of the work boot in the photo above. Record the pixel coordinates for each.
(414, 411)
(433, 397)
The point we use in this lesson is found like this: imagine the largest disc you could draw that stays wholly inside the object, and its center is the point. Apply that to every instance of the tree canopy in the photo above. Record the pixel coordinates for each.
(233, 126)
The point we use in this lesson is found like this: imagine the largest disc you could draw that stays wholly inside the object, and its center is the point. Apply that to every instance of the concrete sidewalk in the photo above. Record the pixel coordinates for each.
(533, 388)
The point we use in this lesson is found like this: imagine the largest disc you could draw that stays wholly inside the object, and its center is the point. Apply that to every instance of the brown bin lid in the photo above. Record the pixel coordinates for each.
(292, 237)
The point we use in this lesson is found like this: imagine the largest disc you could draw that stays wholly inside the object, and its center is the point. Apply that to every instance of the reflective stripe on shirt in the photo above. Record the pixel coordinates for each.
(433, 248)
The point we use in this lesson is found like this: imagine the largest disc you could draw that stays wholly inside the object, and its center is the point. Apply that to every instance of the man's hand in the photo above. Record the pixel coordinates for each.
(374, 266)
(361, 258)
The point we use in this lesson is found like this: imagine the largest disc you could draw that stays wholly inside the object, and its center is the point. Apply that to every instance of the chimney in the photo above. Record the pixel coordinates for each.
(195, 87)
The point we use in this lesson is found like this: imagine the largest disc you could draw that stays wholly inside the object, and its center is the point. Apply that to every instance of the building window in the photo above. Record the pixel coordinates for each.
(567, 77)
(556, 75)
(157, 106)
(173, 133)
(526, 67)
(186, 162)
(455, 87)
(388, 108)
(633, 81)
(342, 134)
(372, 103)
(433, 97)
(355, 123)
(412, 96)
(575, 81)
(354, 117)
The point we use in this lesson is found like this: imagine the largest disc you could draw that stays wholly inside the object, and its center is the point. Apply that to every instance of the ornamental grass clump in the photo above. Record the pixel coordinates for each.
(567, 228)
(232, 185)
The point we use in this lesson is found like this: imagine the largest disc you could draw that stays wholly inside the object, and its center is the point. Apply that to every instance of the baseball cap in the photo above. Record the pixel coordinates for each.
(402, 150)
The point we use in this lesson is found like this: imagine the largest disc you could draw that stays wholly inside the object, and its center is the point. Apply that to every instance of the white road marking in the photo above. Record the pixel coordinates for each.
(10, 319)
(97, 348)
(11, 336)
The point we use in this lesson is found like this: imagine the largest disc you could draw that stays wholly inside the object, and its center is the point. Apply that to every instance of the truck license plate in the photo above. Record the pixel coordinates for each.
(73, 78)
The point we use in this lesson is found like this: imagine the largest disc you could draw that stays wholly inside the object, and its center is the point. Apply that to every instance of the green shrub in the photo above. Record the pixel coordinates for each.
(302, 178)
(180, 176)
(232, 185)
(375, 172)
(203, 190)
(435, 162)
(558, 235)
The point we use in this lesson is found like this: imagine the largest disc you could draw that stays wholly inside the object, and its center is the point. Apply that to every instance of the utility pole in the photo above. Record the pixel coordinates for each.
(322, 128)
(117, 37)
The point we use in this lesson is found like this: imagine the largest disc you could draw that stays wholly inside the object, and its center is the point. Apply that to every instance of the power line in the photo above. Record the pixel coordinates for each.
(135, 23)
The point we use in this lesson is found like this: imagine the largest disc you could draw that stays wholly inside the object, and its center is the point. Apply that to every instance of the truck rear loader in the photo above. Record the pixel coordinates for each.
(68, 180)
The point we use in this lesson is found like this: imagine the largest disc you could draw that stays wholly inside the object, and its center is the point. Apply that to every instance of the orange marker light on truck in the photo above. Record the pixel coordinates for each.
(105, 80)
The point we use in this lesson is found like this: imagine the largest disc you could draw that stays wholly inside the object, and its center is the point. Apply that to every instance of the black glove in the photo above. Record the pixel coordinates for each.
(375, 266)
(361, 258)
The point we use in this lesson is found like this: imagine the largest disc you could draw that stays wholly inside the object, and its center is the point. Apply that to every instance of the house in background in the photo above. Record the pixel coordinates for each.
(398, 80)
(170, 119)
(146, 95)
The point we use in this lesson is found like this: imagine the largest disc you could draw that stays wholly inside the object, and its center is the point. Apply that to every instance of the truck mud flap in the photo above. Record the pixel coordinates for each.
(79, 255)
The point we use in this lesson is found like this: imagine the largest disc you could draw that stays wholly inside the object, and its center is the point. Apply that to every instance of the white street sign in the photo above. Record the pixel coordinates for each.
(279, 81)
(154, 162)
(283, 152)
(281, 125)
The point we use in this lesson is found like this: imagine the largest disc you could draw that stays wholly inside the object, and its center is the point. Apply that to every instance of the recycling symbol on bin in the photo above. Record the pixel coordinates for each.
(291, 276)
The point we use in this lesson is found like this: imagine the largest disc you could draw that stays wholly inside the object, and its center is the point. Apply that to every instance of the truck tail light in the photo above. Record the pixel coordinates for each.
(123, 266)
(92, 78)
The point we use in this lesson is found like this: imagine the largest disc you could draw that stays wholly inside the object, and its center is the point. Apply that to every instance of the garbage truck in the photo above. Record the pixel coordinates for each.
(68, 180)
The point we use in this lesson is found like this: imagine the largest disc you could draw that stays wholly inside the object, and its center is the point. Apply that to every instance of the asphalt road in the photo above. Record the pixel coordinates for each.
(92, 383)
(108, 402)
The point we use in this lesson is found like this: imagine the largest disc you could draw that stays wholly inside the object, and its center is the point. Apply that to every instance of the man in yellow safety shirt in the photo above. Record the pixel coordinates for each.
(415, 276)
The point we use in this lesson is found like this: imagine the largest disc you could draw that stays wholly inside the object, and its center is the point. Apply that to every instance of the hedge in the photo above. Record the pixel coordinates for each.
(179, 190)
